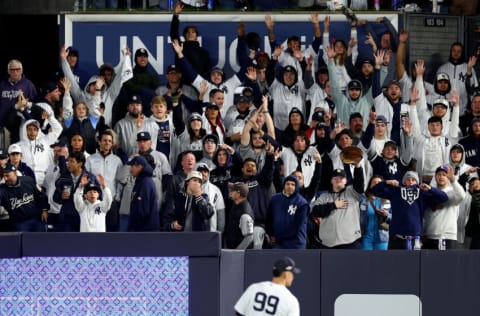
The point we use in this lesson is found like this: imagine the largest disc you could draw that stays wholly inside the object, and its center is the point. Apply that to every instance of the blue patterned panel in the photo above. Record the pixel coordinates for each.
(94, 286)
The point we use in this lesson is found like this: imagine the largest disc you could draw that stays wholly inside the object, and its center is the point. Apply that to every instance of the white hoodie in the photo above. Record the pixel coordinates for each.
(37, 153)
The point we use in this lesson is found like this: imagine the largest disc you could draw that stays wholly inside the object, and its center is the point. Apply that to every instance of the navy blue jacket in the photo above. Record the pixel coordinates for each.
(289, 216)
(144, 209)
(259, 188)
(23, 201)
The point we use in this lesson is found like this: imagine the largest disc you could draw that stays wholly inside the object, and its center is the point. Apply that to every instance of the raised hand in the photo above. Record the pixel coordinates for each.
(269, 23)
(178, 8)
(352, 42)
(455, 99)
(63, 52)
(178, 47)
(326, 23)
(331, 52)
(314, 18)
(407, 126)
(84, 180)
(251, 73)
(370, 41)
(126, 51)
(101, 180)
(379, 56)
(66, 83)
(403, 36)
(277, 51)
(471, 62)
(420, 67)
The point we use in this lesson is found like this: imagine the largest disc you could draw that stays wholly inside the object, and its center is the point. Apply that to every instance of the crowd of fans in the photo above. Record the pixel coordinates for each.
(323, 148)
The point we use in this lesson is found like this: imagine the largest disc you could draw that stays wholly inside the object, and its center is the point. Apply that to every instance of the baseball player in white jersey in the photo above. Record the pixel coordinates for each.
(271, 297)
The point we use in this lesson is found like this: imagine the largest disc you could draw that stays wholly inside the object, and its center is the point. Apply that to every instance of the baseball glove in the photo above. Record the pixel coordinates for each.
(351, 155)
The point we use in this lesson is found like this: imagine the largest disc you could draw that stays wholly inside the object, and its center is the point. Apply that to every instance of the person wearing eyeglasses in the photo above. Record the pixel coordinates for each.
(14, 86)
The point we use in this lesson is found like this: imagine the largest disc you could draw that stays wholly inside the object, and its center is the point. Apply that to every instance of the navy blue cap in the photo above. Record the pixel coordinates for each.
(210, 137)
(211, 105)
(143, 136)
(172, 68)
(138, 161)
(285, 264)
(317, 116)
(355, 84)
(72, 51)
(390, 143)
(355, 115)
(289, 68)
(9, 168)
(135, 99)
(48, 87)
(242, 94)
(3, 153)
(141, 52)
(59, 143)
(338, 173)
(91, 186)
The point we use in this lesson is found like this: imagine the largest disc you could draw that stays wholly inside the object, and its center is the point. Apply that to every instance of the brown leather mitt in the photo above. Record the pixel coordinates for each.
(351, 155)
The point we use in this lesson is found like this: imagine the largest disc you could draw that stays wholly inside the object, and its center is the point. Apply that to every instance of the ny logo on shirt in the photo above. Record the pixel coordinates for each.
(292, 209)
(392, 168)
(308, 160)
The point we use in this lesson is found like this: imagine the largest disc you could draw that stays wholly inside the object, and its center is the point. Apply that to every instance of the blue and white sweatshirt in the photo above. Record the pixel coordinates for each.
(408, 206)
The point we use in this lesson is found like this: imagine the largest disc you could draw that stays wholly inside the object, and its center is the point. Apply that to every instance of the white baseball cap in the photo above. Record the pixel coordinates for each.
(14, 148)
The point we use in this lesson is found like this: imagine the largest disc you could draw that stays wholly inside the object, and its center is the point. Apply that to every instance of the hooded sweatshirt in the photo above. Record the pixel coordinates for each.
(286, 98)
(144, 211)
(441, 222)
(344, 104)
(37, 153)
(83, 95)
(457, 71)
(289, 216)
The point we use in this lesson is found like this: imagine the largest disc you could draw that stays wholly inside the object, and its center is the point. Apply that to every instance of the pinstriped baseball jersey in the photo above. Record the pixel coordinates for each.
(267, 298)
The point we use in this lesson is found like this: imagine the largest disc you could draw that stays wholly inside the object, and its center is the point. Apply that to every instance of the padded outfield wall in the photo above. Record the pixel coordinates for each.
(188, 274)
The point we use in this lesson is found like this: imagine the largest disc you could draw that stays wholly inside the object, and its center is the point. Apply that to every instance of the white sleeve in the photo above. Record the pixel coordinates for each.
(246, 224)
(243, 302)
(353, 34)
(56, 129)
(67, 103)
(325, 44)
(78, 200)
(75, 89)
(107, 200)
